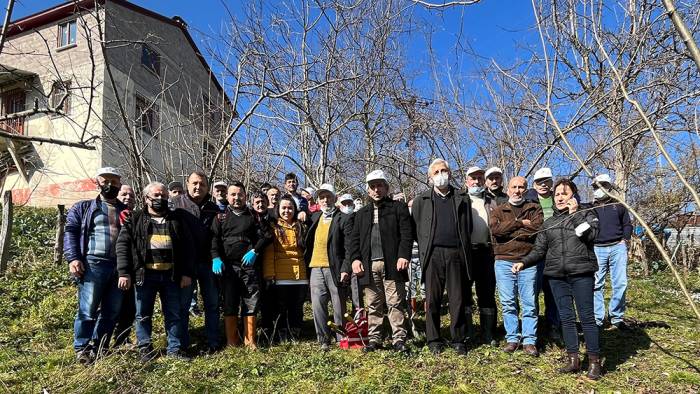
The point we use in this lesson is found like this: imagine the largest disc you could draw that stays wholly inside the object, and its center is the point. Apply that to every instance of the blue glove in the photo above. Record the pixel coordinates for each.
(217, 266)
(249, 258)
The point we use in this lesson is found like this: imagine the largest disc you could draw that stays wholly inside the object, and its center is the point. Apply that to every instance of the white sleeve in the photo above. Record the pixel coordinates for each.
(582, 228)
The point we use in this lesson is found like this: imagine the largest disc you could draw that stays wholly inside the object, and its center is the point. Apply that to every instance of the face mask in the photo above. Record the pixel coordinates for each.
(599, 194)
(516, 201)
(476, 190)
(347, 210)
(110, 192)
(441, 180)
(159, 205)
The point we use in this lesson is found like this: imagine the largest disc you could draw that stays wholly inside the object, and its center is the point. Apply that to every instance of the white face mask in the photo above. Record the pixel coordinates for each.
(476, 190)
(441, 180)
(598, 194)
(347, 209)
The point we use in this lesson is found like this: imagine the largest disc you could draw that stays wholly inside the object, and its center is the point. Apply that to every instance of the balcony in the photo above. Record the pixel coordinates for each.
(13, 126)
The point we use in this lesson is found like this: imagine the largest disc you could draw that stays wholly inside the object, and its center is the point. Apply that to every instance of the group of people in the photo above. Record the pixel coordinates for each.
(264, 253)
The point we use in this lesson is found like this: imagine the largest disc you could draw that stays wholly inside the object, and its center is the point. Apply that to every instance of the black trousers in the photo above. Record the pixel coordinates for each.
(126, 318)
(578, 289)
(446, 269)
(483, 277)
(288, 306)
(241, 290)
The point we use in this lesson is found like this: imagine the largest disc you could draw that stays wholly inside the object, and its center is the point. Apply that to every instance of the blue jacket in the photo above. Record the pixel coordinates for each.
(77, 230)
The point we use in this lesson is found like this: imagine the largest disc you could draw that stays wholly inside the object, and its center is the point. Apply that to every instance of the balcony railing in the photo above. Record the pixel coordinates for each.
(14, 126)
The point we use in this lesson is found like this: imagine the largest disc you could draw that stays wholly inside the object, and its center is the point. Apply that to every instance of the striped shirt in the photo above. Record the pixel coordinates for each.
(104, 230)
(159, 255)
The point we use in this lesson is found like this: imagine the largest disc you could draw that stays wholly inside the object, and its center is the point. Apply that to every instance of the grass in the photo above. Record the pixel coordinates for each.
(37, 306)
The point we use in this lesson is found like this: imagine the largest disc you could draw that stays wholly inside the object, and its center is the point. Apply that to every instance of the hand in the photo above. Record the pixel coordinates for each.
(401, 264)
(517, 267)
(344, 277)
(249, 258)
(217, 266)
(572, 204)
(185, 281)
(358, 269)
(124, 283)
(623, 242)
(76, 268)
(526, 222)
(302, 216)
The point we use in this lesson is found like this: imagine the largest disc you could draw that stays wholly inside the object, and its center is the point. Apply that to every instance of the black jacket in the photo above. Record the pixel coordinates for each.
(132, 245)
(397, 238)
(423, 213)
(234, 235)
(338, 242)
(566, 253)
(200, 228)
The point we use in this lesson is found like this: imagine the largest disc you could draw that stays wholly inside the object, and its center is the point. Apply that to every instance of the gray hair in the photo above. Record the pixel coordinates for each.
(436, 162)
(152, 185)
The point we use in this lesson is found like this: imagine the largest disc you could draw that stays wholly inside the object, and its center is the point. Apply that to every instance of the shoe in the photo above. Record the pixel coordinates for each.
(620, 325)
(435, 348)
(401, 348)
(86, 356)
(488, 325)
(594, 367)
(147, 354)
(511, 347)
(325, 347)
(531, 350)
(179, 355)
(460, 349)
(573, 364)
(371, 347)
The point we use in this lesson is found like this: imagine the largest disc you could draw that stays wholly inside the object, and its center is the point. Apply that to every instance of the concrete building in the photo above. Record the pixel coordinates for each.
(125, 81)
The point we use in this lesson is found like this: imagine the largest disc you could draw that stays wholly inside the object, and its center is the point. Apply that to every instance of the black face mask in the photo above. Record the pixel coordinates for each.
(159, 205)
(109, 191)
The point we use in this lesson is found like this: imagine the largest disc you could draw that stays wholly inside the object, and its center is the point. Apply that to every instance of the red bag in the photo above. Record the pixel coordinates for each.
(356, 330)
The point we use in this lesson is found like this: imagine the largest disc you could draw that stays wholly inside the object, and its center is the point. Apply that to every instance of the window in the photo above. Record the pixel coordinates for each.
(146, 116)
(150, 59)
(59, 89)
(67, 33)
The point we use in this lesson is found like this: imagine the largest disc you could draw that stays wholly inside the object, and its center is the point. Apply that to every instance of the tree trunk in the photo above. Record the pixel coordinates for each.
(5, 230)
(60, 230)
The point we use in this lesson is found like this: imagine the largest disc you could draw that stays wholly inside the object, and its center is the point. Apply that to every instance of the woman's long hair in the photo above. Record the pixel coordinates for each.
(297, 225)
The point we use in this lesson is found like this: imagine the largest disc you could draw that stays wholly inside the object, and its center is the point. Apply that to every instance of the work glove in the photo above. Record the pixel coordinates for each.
(217, 266)
(249, 258)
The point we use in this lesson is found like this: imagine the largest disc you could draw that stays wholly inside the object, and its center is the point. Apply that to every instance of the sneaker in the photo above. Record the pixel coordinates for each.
(179, 355)
(85, 356)
(460, 349)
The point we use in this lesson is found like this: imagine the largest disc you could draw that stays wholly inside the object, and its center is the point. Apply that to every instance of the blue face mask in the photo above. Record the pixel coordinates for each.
(476, 190)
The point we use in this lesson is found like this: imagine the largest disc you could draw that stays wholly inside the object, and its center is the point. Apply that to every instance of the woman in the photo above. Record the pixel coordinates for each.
(566, 239)
(284, 270)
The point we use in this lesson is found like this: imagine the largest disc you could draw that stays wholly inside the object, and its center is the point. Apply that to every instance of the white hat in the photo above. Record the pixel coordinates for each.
(345, 197)
(493, 170)
(219, 183)
(107, 171)
(310, 190)
(376, 175)
(474, 169)
(602, 178)
(326, 186)
(542, 173)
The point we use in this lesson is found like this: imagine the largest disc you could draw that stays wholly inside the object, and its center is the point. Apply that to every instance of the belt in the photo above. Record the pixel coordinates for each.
(160, 266)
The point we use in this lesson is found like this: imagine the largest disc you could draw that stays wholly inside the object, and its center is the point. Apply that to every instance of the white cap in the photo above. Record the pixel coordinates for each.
(345, 197)
(326, 186)
(542, 173)
(376, 175)
(219, 183)
(107, 171)
(474, 169)
(493, 170)
(602, 178)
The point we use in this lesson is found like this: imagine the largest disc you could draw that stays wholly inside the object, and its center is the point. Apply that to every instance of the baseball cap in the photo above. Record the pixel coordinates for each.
(493, 170)
(107, 171)
(602, 178)
(543, 173)
(175, 184)
(345, 197)
(326, 186)
(474, 169)
(219, 183)
(376, 175)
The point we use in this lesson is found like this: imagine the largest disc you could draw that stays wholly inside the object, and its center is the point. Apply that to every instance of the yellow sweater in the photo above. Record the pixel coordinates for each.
(319, 258)
(283, 259)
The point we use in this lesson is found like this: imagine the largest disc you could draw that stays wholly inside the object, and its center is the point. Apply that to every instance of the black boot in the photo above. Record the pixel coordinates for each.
(488, 325)
(470, 325)
(573, 364)
(594, 367)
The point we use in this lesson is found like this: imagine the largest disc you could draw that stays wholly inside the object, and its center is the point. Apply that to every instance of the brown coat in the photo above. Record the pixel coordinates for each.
(512, 240)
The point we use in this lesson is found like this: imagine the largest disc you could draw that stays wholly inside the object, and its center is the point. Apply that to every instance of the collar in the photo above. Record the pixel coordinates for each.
(441, 194)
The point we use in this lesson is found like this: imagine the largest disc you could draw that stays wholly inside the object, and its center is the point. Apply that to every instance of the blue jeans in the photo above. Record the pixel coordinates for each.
(613, 260)
(511, 289)
(550, 307)
(161, 283)
(97, 289)
(210, 295)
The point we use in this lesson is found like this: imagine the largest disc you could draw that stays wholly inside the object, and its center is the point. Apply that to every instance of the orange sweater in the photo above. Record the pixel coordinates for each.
(283, 259)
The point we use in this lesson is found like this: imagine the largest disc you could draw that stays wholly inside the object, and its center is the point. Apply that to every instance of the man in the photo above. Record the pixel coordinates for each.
(414, 276)
(92, 228)
(380, 249)
(614, 231)
(265, 187)
(326, 241)
(542, 194)
(290, 185)
(236, 243)
(154, 253)
(127, 313)
(273, 194)
(514, 226)
(494, 187)
(127, 197)
(175, 189)
(220, 188)
(442, 218)
(201, 212)
(308, 194)
(484, 277)
(346, 204)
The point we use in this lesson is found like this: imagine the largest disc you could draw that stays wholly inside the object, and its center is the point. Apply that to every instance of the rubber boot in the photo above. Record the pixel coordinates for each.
(488, 325)
(594, 368)
(573, 364)
(250, 332)
(231, 328)
(470, 325)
